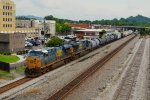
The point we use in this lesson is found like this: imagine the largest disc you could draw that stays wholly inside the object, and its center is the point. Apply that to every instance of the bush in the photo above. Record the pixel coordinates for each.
(8, 53)
(5, 53)
(55, 41)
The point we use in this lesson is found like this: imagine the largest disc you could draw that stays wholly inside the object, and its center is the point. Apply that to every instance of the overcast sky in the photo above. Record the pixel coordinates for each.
(84, 9)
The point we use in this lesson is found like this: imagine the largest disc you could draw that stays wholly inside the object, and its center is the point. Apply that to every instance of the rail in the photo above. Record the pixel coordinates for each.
(59, 95)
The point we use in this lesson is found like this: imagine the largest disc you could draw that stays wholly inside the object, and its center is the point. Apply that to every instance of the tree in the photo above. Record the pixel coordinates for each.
(102, 33)
(62, 28)
(55, 41)
(50, 17)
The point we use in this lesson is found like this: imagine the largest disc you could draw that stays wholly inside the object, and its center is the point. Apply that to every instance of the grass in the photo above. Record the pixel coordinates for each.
(9, 58)
(6, 75)
(20, 70)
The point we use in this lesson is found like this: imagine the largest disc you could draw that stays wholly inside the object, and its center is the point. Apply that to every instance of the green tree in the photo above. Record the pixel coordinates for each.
(102, 33)
(55, 41)
(62, 28)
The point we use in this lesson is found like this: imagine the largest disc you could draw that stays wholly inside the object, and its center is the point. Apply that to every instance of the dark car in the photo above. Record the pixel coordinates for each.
(33, 42)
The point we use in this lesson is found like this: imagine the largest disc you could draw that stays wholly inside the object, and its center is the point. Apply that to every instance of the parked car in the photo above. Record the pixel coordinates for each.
(28, 44)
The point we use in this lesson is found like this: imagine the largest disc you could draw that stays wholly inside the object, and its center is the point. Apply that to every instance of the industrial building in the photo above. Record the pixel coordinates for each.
(12, 42)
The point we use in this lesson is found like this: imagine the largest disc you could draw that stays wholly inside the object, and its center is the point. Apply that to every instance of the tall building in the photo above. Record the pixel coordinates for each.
(7, 16)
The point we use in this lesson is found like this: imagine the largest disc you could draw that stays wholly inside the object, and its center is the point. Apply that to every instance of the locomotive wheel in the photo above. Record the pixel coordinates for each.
(43, 71)
(47, 69)
(75, 57)
(50, 68)
(67, 61)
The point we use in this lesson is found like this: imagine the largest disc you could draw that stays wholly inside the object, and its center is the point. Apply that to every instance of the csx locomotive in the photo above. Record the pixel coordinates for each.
(43, 60)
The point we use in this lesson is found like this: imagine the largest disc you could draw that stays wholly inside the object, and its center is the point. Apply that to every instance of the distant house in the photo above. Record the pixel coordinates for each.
(89, 33)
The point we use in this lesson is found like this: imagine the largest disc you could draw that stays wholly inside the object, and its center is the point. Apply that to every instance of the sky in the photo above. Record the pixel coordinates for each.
(83, 9)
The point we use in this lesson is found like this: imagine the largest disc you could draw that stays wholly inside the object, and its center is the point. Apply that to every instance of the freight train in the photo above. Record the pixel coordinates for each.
(44, 60)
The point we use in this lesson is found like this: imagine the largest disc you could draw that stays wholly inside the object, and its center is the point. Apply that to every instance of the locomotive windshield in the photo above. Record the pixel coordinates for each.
(36, 53)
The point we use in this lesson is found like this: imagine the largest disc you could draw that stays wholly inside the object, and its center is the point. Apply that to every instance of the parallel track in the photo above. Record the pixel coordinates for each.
(124, 91)
(76, 82)
(148, 76)
(14, 84)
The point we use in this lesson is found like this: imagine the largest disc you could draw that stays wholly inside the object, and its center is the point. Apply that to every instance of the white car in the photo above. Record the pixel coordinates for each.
(28, 44)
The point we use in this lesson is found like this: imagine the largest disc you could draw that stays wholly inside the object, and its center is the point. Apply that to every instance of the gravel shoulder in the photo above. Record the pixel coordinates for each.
(139, 90)
(95, 87)
(58, 78)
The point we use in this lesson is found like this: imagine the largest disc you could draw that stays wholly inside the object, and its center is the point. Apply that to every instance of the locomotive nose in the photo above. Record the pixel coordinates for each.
(33, 62)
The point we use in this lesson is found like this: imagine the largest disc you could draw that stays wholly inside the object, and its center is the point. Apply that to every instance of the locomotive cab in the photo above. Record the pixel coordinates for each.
(33, 63)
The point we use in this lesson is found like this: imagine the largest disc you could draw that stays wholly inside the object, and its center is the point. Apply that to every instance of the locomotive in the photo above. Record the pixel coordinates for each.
(43, 60)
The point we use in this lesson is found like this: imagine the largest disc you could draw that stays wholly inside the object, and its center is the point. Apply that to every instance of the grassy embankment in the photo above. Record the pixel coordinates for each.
(9, 58)
(6, 75)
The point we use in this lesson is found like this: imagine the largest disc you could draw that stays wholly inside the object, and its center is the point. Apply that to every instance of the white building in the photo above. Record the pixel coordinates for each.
(50, 27)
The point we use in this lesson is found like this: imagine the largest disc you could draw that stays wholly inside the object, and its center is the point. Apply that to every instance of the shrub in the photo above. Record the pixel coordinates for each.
(55, 41)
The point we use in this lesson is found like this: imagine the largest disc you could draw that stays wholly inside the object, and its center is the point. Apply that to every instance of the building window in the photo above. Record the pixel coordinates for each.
(3, 7)
(3, 19)
(3, 25)
(3, 13)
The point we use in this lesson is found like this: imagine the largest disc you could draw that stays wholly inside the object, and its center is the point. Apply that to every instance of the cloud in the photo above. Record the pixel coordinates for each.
(83, 9)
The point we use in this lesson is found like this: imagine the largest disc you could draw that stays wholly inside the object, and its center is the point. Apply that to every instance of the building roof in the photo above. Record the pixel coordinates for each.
(10, 1)
(80, 26)
(93, 30)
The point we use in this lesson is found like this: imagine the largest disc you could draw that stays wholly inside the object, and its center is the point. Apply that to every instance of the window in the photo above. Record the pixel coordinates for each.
(3, 13)
(3, 19)
(3, 7)
(3, 25)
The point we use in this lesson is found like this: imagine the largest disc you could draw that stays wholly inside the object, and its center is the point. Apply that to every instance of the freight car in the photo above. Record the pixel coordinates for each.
(43, 60)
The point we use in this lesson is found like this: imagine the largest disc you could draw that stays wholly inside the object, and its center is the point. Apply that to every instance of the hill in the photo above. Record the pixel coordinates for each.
(139, 18)
(30, 17)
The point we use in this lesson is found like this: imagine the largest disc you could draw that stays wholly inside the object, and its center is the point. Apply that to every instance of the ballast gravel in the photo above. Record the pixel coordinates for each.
(56, 79)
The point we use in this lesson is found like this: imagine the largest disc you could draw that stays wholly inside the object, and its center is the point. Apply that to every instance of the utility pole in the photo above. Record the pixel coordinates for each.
(44, 33)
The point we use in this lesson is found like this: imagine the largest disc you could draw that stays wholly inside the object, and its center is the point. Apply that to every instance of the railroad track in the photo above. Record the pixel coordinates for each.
(14, 84)
(62, 93)
(148, 77)
(126, 88)
(81, 77)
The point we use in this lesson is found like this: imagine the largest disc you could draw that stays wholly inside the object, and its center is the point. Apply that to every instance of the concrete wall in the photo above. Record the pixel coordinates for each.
(12, 42)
